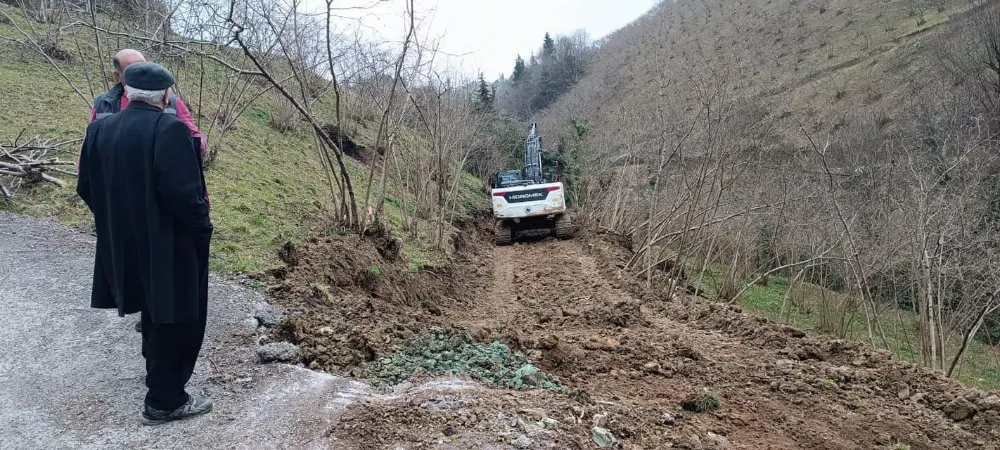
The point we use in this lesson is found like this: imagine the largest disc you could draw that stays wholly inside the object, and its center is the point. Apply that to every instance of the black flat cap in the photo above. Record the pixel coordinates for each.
(148, 76)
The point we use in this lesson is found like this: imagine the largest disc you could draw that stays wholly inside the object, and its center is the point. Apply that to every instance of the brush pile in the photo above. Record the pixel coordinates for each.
(33, 160)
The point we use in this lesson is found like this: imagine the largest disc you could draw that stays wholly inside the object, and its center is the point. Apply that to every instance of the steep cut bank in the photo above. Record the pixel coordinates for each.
(635, 365)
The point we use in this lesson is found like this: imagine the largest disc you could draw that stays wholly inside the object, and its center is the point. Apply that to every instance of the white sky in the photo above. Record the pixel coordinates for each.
(487, 36)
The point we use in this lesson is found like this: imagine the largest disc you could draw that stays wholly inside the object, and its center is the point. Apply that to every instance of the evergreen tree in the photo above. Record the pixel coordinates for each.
(519, 68)
(548, 47)
(484, 96)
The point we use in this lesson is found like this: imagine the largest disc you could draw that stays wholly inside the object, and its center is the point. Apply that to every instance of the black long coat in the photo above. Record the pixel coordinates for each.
(141, 176)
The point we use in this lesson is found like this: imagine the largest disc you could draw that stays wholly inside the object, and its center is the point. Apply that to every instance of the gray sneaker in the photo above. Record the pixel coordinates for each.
(195, 406)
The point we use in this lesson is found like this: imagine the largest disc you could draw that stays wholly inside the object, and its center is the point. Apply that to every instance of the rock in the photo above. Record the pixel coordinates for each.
(533, 413)
(549, 423)
(602, 437)
(717, 442)
(651, 367)
(278, 352)
(530, 428)
(608, 344)
(668, 419)
(991, 403)
(268, 316)
(904, 392)
(785, 365)
(522, 442)
(251, 323)
(527, 375)
(916, 398)
(959, 409)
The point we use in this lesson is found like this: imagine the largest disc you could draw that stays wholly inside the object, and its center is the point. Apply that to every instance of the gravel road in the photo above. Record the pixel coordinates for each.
(72, 376)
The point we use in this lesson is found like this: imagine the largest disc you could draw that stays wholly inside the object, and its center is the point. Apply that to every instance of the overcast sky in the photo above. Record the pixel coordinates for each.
(488, 35)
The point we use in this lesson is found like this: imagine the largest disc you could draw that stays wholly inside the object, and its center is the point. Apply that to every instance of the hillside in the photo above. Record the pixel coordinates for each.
(830, 64)
(847, 146)
(266, 180)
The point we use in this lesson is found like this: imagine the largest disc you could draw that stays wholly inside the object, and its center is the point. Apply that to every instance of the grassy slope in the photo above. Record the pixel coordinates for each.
(801, 306)
(265, 186)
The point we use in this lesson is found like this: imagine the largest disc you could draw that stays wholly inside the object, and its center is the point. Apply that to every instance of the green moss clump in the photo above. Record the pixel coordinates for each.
(442, 352)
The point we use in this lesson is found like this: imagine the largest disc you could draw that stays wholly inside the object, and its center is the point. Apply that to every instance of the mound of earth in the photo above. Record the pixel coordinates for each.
(640, 371)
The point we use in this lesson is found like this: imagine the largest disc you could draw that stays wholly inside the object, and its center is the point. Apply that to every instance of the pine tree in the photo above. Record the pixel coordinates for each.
(548, 47)
(518, 74)
(484, 95)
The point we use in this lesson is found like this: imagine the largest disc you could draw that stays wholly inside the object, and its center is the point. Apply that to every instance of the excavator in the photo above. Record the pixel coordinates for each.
(525, 202)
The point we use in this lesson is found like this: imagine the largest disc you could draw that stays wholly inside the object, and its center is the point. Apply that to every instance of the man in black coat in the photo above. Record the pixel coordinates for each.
(140, 174)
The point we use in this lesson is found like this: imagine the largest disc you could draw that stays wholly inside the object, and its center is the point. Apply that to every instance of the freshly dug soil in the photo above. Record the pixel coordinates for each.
(651, 372)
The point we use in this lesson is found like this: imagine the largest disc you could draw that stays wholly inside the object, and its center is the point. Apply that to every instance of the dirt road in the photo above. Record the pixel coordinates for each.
(632, 361)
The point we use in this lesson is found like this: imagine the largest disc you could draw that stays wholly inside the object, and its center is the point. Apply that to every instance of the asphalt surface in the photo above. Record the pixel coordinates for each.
(72, 377)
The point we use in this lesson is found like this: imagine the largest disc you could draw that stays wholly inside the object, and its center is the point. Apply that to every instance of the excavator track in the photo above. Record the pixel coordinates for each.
(503, 234)
(564, 227)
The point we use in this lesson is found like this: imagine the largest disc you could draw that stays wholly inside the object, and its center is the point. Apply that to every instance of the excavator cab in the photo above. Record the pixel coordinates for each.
(508, 178)
(529, 200)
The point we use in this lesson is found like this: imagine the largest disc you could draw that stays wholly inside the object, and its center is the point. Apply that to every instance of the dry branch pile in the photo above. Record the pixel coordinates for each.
(32, 160)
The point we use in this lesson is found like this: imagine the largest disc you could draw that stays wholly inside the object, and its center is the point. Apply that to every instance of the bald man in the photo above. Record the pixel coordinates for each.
(115, 100)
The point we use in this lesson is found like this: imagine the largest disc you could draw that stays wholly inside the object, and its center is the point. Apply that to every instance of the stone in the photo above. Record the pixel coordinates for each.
(991, 403)
(916, 398)
(278, 352)
(533, 413)
(904, 392)
(717, 442)
(268, 316)
(602, 437)
(522, 442)
(549, 423)
(668, 419)
(785, 365)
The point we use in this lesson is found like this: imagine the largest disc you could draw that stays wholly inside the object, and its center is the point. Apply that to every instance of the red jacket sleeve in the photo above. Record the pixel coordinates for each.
(184, 114)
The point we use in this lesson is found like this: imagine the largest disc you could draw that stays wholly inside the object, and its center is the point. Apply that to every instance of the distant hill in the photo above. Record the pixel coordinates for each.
(829, 64)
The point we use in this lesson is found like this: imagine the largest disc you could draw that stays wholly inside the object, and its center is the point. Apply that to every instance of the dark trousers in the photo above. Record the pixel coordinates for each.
(170, 352)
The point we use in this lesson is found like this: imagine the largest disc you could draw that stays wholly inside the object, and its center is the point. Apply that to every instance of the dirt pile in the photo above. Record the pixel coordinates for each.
(351, 300)
(640, 370)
